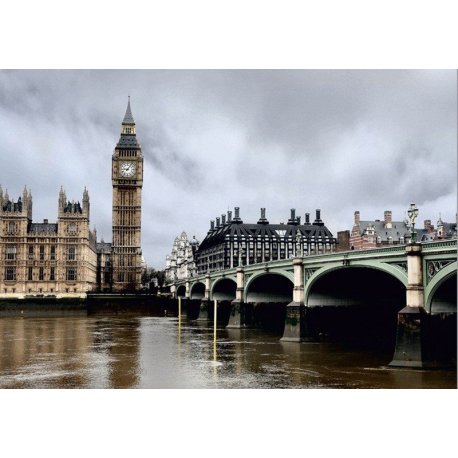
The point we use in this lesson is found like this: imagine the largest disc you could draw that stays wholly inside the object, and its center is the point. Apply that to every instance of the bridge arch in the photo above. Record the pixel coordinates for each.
(440, 294)
(181, 291)
(254, 283)
(358, 303)
(266, 297)
(396, 272)
(224, 289)
(197, 290)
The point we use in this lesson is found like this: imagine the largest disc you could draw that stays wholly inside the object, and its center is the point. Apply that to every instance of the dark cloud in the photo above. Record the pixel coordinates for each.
(336, 140)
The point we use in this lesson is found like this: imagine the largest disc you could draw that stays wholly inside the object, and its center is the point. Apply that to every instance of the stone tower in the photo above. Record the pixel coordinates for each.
(127, 181)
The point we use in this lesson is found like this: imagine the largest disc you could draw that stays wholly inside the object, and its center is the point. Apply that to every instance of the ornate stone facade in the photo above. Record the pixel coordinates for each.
(181, 262)
(46, 259)
(127, 181)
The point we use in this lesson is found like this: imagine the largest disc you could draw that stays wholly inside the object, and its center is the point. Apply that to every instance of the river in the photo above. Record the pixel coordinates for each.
(161, 352)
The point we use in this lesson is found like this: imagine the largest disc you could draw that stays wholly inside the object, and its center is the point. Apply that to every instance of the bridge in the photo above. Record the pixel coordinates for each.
(405, 294)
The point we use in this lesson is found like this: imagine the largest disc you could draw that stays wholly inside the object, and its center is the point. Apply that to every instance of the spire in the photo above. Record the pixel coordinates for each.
(128, 118)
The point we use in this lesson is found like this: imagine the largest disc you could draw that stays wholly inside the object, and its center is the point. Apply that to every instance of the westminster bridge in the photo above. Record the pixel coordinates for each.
(404, 294)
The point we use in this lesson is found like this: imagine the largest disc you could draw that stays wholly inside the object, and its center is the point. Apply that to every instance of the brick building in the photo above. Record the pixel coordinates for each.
(377, 233)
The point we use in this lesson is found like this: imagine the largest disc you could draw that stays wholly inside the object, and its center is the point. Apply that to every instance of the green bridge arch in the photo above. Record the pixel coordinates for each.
(390, 269)
(437, 281)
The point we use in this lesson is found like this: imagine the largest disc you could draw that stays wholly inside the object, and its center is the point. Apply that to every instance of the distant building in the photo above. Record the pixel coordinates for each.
(104, 271)
(231, 243)
(373, 234)
(181, 263)
(46, 259)
(343, 241)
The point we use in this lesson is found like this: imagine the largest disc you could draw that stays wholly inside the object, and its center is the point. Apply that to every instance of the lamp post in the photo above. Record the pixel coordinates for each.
(412, 213)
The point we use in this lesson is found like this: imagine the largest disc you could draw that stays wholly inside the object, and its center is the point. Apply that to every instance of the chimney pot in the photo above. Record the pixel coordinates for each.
(307, 218)
(218, 222)
(229, 216)
(223, 219)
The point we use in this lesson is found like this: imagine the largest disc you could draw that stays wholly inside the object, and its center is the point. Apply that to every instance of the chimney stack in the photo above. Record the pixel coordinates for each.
(263, 219)
(223, 219)
(307, 218)
(428, 226)
(357, 218)
(229, 216)
(217, 222)
(212, 225)
(293, 219)
(388, 219)
(237, 216)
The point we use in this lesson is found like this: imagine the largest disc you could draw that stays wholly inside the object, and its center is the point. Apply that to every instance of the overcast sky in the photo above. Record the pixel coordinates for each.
(336, 140)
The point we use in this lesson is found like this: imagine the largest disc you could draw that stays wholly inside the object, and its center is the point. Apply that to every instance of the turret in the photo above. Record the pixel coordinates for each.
(86, 204)
(62, 201)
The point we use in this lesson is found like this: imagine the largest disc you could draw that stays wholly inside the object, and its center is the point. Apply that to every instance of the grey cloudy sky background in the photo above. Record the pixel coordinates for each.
(336, 140)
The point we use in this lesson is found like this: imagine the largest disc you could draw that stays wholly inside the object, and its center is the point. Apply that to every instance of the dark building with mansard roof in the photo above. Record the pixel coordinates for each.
(231, 243)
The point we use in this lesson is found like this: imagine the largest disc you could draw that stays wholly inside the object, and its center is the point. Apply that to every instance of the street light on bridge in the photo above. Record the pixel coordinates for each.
(412, 213)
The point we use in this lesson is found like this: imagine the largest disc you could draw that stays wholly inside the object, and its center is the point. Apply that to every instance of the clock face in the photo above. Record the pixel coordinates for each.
(127, 169)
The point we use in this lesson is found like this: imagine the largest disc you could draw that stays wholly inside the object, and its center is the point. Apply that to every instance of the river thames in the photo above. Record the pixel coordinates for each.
(162, 352)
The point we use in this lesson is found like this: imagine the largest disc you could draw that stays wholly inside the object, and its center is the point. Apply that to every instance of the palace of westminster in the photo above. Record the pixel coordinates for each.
(63, 259)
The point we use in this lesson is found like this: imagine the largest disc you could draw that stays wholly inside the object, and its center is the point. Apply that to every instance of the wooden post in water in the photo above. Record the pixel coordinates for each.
(215, 314)
(179, 312)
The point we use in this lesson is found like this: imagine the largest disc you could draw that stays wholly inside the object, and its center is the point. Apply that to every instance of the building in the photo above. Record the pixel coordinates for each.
(46, 259)
(231, 243)
(181, 263)
(377, 233)
(127, 182)
(104, 271)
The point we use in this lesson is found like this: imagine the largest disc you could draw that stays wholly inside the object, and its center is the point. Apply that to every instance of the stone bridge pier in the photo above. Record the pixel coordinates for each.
(237, 313)
(295, 311)
(411, 340)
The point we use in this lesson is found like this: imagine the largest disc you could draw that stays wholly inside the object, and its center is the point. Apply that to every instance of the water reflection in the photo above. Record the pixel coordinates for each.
(161, 352)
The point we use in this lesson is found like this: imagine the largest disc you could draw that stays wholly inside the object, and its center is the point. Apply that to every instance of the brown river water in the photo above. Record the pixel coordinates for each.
(161, 352)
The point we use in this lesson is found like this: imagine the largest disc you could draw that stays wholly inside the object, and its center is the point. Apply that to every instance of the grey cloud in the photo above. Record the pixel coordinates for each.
(335, 140)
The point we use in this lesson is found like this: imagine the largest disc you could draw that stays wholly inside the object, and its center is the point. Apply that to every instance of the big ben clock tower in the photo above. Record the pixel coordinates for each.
(127, 180)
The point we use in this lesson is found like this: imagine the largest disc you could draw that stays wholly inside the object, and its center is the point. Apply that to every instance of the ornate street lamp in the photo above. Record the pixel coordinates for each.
(412, 213)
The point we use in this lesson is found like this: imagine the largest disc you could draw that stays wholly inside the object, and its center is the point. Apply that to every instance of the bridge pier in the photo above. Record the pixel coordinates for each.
(411, 340)
(237, 314)
(206, 302)
(295, 311)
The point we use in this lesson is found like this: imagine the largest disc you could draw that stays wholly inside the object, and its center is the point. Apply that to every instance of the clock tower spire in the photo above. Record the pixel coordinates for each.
(127, 182)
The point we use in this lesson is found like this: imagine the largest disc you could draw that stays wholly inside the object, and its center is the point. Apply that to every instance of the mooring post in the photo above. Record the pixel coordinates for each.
(237, 316)
(215, 321)
(295, 310)
(410, 338)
